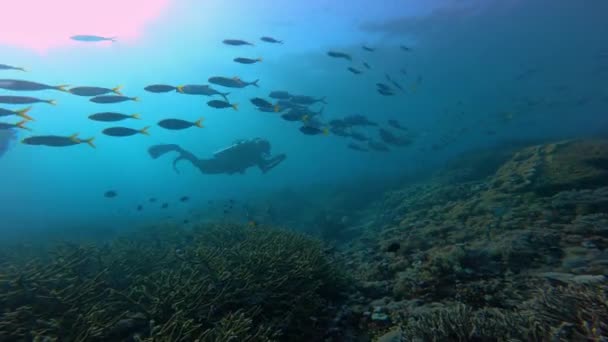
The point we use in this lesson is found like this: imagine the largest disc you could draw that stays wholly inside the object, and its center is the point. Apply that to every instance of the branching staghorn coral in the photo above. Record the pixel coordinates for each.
(169, 284)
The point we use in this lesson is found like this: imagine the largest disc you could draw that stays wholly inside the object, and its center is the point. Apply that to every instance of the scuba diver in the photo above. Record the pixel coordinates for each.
(234, 159)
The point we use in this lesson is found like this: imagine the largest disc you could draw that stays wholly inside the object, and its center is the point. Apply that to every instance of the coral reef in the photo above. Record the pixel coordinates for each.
(472, 251)
(223, 282)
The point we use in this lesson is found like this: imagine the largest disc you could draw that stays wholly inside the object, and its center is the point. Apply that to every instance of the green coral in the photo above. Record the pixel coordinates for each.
(168, 284)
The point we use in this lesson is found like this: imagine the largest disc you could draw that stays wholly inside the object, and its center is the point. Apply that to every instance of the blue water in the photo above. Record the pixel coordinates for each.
(478, 61)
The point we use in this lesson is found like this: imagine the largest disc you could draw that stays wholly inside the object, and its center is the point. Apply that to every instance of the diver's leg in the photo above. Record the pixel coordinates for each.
(158, 150)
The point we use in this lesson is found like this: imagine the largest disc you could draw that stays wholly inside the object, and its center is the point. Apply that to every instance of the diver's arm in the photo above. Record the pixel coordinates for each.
(268, 164)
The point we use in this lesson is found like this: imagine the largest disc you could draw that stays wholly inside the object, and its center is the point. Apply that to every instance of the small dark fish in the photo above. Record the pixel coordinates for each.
(393, 82)
(24, 100)
(124, 131)
(10, 67)
(22, 113)
(367, 48)
(110, 194)
(271, 40)
(306, 100)
(366, 65)
(184, 199)
(336, 54)
(356, 147)
(112, 99)
(377, 146)
(395, 124)
(4, 125)
(383, 86)
(178, 124)
(152, 199)
(354, 71)
(195, 89)
(311, 130)
(222, 104)
(261, 103)
(165, 206)
(234, 82)
(279, 95)
(244, 60)
(20, 85)
(405, 48)
(92, 38)
(140, 207)
(57, 141)
(94, 91)
(111, 117)
(160, 88)
(235, 42)
(384, 92)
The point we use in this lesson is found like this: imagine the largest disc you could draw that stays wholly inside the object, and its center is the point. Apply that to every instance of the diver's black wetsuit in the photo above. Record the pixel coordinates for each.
(234, 159)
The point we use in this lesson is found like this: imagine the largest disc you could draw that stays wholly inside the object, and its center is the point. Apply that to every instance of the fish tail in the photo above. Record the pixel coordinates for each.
(321, 111)
(144, 130)
(74, 138)
(255, 83)
(322, 100)
(23, 113)
(21, 124)
(305, 118)
(90, 142)
(199, 123)
(112, 39)
(277, 108)
(235, 106)
(325, 131)
(135, 116)
(136, 99)
(21, 69)
(116, 90)
(225, 96)
(180, 89)
(259, 59)
(62, 87)
(51, 102)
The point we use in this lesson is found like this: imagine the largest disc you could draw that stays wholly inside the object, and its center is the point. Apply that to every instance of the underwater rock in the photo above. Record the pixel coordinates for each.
(549, 169)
